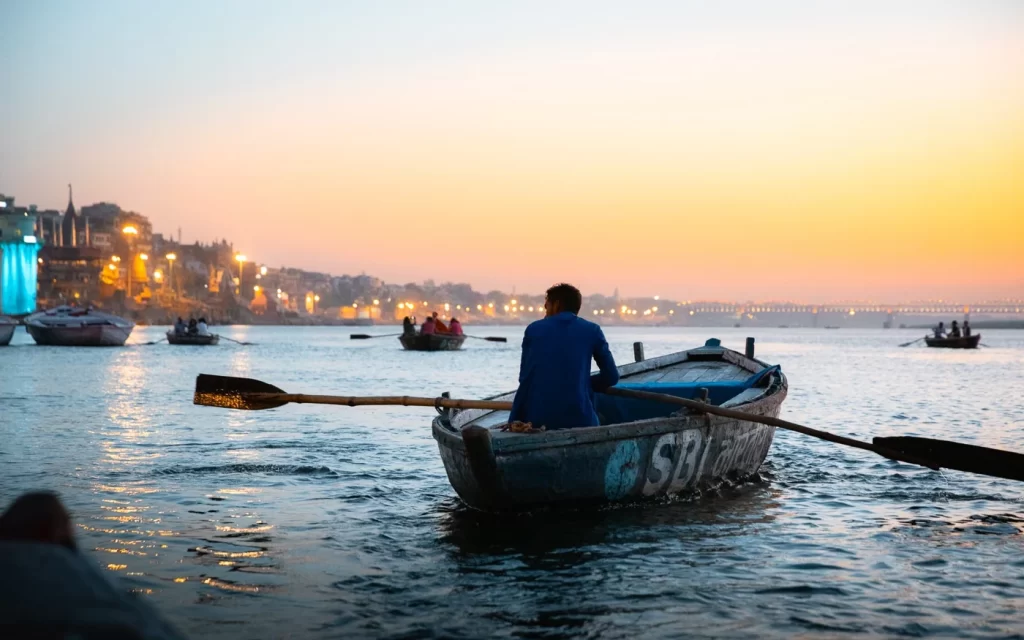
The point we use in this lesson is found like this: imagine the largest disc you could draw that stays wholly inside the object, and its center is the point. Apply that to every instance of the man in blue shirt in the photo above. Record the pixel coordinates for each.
(556, 390)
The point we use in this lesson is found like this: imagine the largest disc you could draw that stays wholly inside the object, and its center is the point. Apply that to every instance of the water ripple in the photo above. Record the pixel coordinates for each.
(327, 522)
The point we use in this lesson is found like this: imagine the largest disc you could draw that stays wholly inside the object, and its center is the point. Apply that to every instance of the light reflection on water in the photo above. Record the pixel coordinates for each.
(327, 522)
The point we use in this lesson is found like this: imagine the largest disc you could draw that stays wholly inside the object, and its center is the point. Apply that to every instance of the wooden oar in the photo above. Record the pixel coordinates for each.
(907, 344)
(146, 344)
(489, 338)
(963, 457)
(934, 454)
(366, 336)
(238, 341)
(246, 393)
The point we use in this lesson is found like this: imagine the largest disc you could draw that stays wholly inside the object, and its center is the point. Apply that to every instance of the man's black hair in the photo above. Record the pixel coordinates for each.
(569, 296)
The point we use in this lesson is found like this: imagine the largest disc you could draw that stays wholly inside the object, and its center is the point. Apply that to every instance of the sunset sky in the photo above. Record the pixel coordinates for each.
(806, 150)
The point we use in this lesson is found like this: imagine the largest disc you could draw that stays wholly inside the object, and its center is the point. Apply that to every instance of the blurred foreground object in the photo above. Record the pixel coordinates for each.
(49, 590)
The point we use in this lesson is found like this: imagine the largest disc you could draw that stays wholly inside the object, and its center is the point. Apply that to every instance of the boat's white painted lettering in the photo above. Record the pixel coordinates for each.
(664, 457)
(692, 449)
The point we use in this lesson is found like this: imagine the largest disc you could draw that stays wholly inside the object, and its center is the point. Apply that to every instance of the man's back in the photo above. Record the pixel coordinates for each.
(554, 376)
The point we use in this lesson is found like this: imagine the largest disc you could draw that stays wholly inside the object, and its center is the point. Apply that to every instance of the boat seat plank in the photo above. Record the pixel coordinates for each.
(726, 375)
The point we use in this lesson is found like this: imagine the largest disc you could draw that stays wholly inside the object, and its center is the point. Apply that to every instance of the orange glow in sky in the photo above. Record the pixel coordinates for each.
(813, 157)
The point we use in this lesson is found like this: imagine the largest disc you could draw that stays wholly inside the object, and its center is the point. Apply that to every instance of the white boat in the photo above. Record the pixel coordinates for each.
(67, 326)
(7, 327)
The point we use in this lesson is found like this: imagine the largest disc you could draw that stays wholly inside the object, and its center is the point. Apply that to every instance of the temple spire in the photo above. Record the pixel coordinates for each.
(69, 226)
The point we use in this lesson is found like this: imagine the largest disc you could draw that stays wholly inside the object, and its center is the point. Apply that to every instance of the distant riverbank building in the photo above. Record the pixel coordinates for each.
(81, 255)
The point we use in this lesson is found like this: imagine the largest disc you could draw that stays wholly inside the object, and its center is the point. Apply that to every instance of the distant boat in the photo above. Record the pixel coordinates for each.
(969, 342)
(67, 326)
(196, 339)
(831, 326)
(7, 327)
(432, 342)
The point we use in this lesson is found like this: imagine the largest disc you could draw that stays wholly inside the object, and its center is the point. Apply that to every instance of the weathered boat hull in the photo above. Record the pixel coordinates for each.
(432, 342)
(91, 335)
(616, 463)
(970, 342)
(6, 333)
(199, 341)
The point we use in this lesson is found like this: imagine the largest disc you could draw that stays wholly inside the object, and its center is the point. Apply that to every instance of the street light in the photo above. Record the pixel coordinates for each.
(130, 231)
(241, 267)
(171, 257)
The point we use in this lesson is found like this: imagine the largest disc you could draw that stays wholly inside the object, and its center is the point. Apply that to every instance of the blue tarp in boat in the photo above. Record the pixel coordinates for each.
(616, 409)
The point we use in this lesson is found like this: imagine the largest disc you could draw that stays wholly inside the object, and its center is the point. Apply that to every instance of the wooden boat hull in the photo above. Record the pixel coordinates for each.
(432, 342)
(199, 341)
(90, 335)
(6, 333)
(970, 342)
(680, 454)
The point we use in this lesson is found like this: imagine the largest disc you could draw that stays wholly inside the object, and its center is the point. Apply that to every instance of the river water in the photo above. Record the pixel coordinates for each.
(327, 522)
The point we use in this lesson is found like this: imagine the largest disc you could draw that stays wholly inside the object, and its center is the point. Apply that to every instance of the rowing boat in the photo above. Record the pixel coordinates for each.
(641, 449)
(67, 326)
(968, 342)
(196, 340)
(432, 342)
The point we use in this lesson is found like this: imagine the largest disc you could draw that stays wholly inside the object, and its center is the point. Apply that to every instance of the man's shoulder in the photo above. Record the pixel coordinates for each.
(586, 326)
(576, 324)
(537, 326)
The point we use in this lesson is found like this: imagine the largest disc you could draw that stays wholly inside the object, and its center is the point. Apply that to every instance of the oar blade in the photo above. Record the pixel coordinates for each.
(496, 339)
(959, 456)
(360, 336)
(233, 393)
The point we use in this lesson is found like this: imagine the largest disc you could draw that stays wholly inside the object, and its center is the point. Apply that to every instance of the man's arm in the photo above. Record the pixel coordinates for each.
(519, 403)
(609, 374)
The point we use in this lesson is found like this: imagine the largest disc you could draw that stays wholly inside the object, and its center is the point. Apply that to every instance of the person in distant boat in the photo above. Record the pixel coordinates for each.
(201, 327)
(455, 327)
(408, 328)
(428, 328)
(967, 329)
(192, 329)
(940, 331)
(556, 390)
(439, 326)
(180, 327)
(954, 331)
